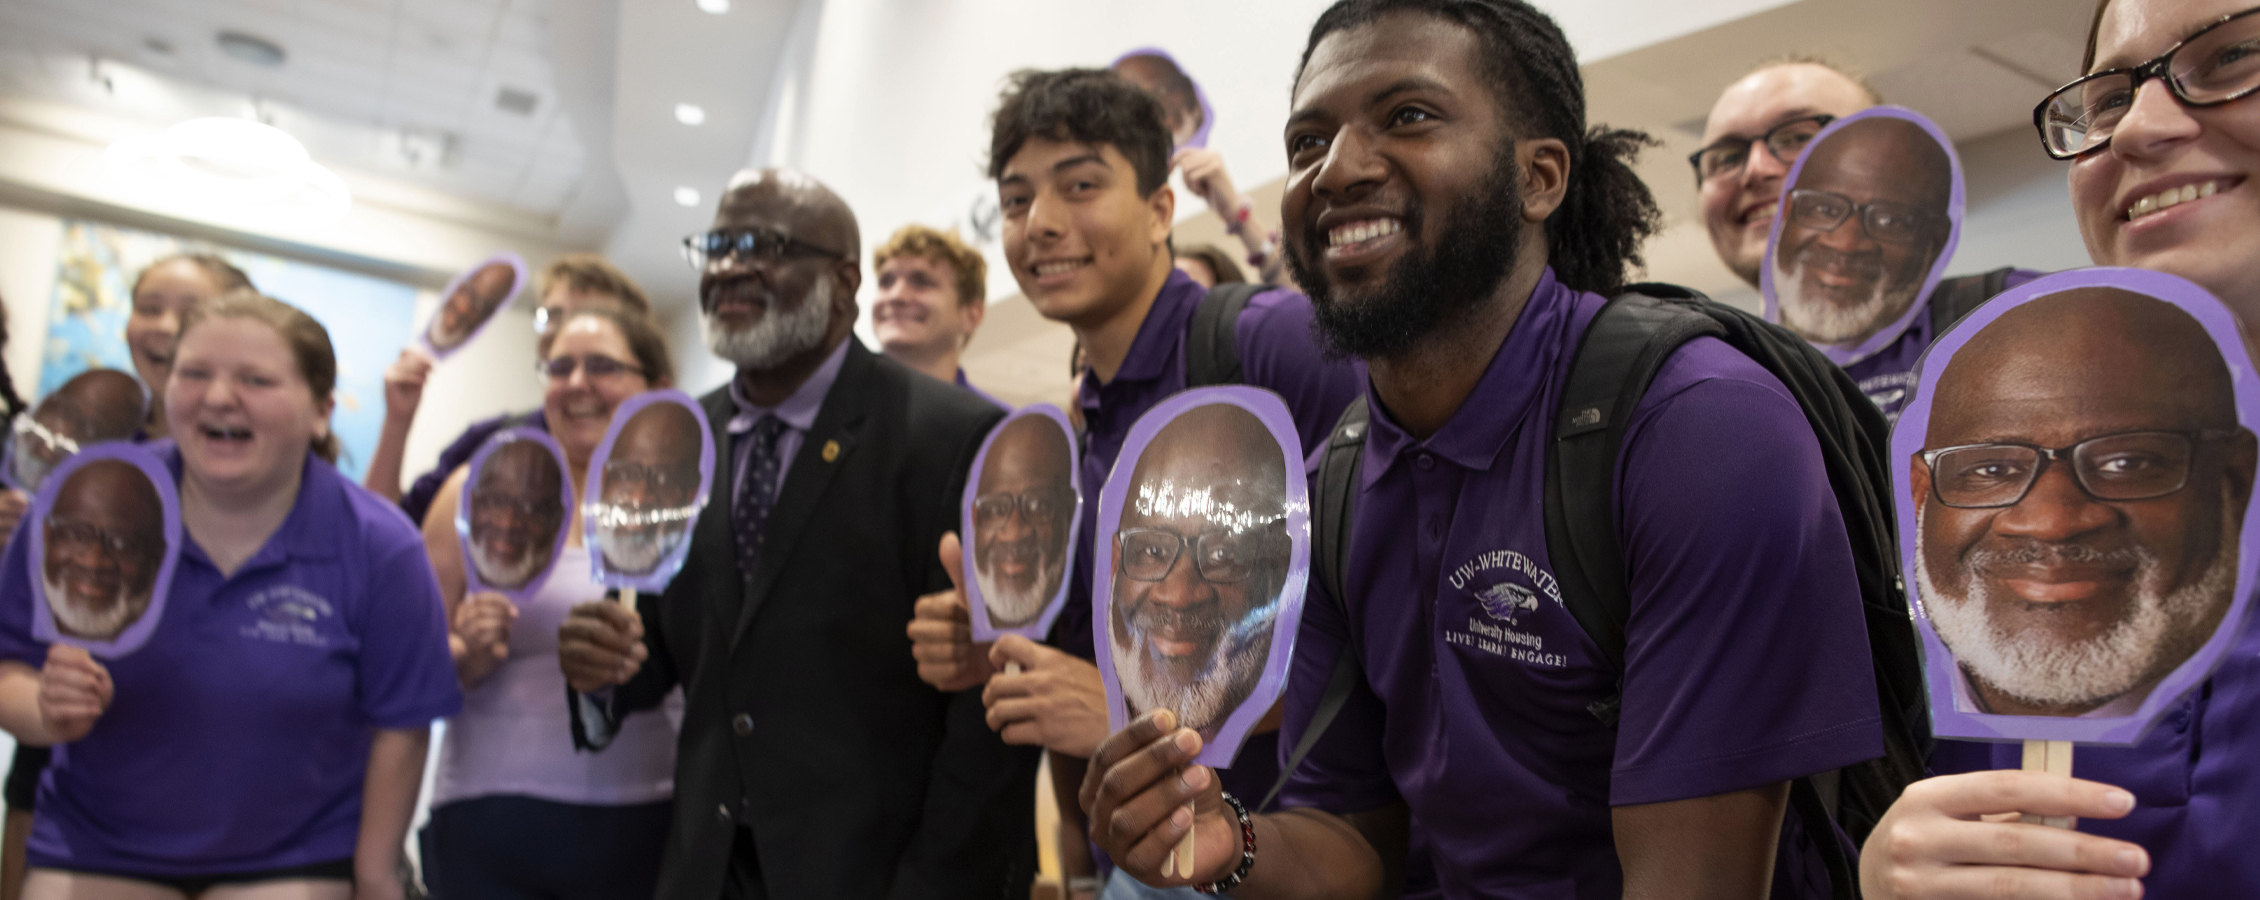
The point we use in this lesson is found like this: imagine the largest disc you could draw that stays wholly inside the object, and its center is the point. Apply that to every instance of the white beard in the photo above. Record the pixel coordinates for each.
(511, 577)
(92, 624)
(1014, 607)
(1828, 321)
(637, 550)
(776, 337)
(2155, 635)
(1204, 701)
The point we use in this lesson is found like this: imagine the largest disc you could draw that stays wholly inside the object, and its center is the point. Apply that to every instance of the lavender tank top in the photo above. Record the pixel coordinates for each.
(515, 735)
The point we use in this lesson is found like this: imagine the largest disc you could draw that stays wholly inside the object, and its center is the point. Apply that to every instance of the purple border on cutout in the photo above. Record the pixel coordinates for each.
(976, 604)
(1838, 353)
(1939, 671)
(656, 579)
(423, 338)
(1272, 411)
(168, 495)
(1208, 113)
(471, 581)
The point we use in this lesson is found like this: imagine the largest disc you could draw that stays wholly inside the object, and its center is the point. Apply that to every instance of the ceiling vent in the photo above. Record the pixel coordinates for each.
(516, 101)
(252, 49)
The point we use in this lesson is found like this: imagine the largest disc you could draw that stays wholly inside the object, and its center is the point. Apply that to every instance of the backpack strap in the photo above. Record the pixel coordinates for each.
(1956, 297)
(1212, 346)
(1338, 474)
(1617, 357)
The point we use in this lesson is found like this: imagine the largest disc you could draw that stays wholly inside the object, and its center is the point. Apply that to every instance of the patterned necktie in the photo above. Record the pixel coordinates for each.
(757, 490)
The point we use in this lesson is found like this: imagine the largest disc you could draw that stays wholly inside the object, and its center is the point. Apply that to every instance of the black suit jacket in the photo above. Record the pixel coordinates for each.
(858, 780)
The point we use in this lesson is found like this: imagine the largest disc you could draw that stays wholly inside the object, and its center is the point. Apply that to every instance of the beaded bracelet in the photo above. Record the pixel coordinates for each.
(1247, 851)
(1239, 219)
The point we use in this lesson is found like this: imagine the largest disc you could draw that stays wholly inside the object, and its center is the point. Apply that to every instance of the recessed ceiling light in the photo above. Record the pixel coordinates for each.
(717, 7)
(687, 196)
(252, 49)
(690, 114)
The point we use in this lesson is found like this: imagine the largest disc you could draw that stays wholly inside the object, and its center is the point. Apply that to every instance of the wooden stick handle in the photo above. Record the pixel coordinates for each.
(628, 597)
(2054, 757)
(1183, 856)
(1012, 668)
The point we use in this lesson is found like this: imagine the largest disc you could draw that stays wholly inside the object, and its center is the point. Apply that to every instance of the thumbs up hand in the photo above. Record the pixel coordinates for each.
(941, 631)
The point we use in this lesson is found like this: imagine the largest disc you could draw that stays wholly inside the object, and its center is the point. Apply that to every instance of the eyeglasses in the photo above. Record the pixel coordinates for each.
(29, 429)
(2220, 63)
(1785, 141)
(598, 366)
(1148, 554)
(1884, 221)
(745, 245)
(76, 535)
(990, 510)
(658, 478)
(2135, 465)
(497, 504)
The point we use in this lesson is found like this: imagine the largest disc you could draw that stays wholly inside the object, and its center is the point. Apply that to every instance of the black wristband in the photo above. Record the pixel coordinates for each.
(1247, 850)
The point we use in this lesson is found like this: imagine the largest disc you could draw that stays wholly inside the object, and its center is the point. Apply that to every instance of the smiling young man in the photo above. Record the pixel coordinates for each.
(932, 295)
(1081, 159)
(1459, 227)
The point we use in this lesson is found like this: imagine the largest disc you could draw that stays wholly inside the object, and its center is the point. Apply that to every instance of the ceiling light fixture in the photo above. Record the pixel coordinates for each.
(687, 196)
(252, 49)
(716, 7)
(230, 169)
(690, 114)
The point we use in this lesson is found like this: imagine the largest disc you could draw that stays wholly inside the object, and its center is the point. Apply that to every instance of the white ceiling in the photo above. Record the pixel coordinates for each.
(404, 88)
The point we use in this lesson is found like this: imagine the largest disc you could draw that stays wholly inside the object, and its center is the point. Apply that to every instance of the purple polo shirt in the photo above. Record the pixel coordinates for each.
(2195, 779)
(1278, 352)
(1746, 660)
(1889, 375)
(239, 735)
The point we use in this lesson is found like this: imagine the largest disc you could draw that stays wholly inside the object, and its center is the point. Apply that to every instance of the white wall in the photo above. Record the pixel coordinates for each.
(2019, 209)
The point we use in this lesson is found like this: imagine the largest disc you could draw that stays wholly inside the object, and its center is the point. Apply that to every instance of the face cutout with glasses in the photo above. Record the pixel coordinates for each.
(470, 302)
(515, 509)
(2217, 64)
(1202, 551)
(1870, 214)
(106, 531)
(2078, 472)
(1019, 521)
(648, 482)
(93, 406)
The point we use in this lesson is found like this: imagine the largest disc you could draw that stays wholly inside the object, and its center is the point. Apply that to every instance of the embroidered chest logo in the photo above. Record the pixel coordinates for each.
(1506, 586)
(289, 614)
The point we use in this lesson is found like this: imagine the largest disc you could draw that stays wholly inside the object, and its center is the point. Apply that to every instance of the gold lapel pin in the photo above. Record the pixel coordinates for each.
(831, 451)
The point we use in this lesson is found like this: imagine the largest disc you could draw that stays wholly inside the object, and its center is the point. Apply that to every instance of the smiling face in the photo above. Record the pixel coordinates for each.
(1199, 560)
(165, 291)
(1082, 244)
(579, 407)
(517, 507)
(240, 408)
(473, 302)
(2063, 602)
(648, 488)
(1842, 284)
(1022, 513)
(1403, 205)
(1738, 207)
(763, 312)
(104, 545)
(2211, 154)
(918, 312)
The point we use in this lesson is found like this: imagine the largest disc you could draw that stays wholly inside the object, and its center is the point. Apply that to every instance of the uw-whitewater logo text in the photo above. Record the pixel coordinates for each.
(289, 614)
(1506, 585)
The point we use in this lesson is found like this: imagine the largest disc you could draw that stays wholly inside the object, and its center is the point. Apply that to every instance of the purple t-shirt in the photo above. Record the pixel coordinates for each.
(1278, 352)
(1887, 376)
(1746, 656)
(2195, 779)
(239, 735)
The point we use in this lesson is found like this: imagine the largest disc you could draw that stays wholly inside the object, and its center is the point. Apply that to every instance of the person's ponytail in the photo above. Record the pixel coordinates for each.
(1594, 238)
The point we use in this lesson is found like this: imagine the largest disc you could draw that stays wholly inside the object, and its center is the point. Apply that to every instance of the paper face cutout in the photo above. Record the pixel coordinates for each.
(2078, 464)
(1022, 511)
(471, 302)
(1182, 99)
(105, 535)
(1868, 221)
(94, 406)
(647, 483)
(513, 515)
(1203, 555)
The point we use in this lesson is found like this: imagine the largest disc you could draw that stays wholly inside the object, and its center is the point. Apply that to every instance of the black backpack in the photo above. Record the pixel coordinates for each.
(1956, 297)
(1616, 359)
(1212, 353)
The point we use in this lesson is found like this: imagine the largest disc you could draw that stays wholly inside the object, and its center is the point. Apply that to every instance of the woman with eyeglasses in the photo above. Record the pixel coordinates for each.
(269, 739)
(516, 811)
(2162, 144)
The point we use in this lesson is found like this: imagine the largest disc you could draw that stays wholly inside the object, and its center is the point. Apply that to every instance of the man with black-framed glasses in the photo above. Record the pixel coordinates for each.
(2081, 498)
(1752, 136)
